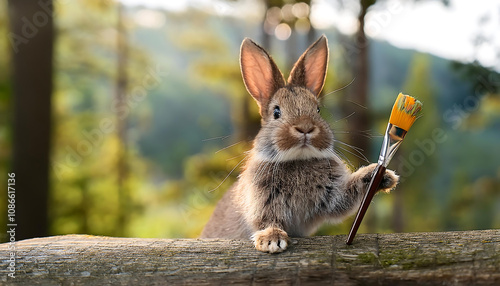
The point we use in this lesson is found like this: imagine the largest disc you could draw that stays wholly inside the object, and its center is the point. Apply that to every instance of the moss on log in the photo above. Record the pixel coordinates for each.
(446, 258)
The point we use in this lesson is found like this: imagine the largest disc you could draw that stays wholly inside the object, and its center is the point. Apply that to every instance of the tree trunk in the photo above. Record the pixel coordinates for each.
(266, 39)
(357, 104)
(31, 36)
(121, 90)
(358, 100)
(449, 258)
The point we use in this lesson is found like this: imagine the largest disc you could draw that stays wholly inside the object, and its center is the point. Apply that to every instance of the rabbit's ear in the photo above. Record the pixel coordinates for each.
(310, 70)
(261, 76)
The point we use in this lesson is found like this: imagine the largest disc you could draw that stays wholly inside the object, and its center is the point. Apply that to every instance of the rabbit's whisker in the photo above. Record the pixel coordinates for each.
(348, 145)
(217, 138)
(339, 89)
(355, 103)
(232, 158)
(344, 118)
(344, 157)
(239, 163)
(227, 147)
(360, 156)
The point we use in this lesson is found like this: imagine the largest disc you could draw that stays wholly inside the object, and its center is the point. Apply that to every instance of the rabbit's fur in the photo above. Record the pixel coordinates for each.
(292, 180)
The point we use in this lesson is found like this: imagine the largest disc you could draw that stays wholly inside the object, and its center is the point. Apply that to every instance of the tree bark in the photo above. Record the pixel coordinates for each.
(31, 36)
(358, 100)
(357, 104)
(447, 258)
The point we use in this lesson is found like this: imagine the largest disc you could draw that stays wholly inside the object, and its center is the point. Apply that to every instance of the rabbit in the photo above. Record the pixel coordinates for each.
(292, 180)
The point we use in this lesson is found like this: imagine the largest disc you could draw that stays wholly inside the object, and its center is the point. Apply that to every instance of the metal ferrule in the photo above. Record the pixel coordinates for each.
(393, 137)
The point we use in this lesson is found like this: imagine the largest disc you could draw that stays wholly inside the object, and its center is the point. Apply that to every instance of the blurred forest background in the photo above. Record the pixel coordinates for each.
(128, 119)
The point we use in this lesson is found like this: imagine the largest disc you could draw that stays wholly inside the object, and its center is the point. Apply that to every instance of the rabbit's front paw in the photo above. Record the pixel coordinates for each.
(389, 181)
(271, 239)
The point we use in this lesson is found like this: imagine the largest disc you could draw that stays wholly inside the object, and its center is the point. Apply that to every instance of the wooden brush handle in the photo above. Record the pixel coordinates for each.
(378, 175)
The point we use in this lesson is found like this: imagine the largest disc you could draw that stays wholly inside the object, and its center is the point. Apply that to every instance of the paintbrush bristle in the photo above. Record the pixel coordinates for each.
(404, 112)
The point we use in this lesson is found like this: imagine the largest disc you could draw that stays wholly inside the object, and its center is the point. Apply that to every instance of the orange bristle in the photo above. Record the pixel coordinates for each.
(404, 112)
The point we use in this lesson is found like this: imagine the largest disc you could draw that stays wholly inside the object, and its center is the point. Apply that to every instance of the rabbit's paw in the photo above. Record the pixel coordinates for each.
(389, 181)
(271, 239)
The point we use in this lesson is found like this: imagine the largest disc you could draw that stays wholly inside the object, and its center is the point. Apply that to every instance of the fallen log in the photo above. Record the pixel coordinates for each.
(445, 258)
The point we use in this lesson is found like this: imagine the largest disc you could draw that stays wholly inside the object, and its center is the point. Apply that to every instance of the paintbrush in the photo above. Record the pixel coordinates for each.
(405, 111)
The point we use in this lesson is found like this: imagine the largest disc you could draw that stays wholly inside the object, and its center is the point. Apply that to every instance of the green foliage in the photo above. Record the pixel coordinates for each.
(179, 126)
(181, 208)
(169, 124)
(419, 194)
(84, 199)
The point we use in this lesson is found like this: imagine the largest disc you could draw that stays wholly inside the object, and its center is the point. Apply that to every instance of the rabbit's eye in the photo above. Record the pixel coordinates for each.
(276, 112)
(318, 110)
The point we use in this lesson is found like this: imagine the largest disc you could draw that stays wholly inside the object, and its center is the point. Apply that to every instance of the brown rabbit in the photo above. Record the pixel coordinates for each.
(292, 180)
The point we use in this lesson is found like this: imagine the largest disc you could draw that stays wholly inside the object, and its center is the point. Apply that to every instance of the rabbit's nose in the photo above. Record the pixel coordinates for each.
(305, 129)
